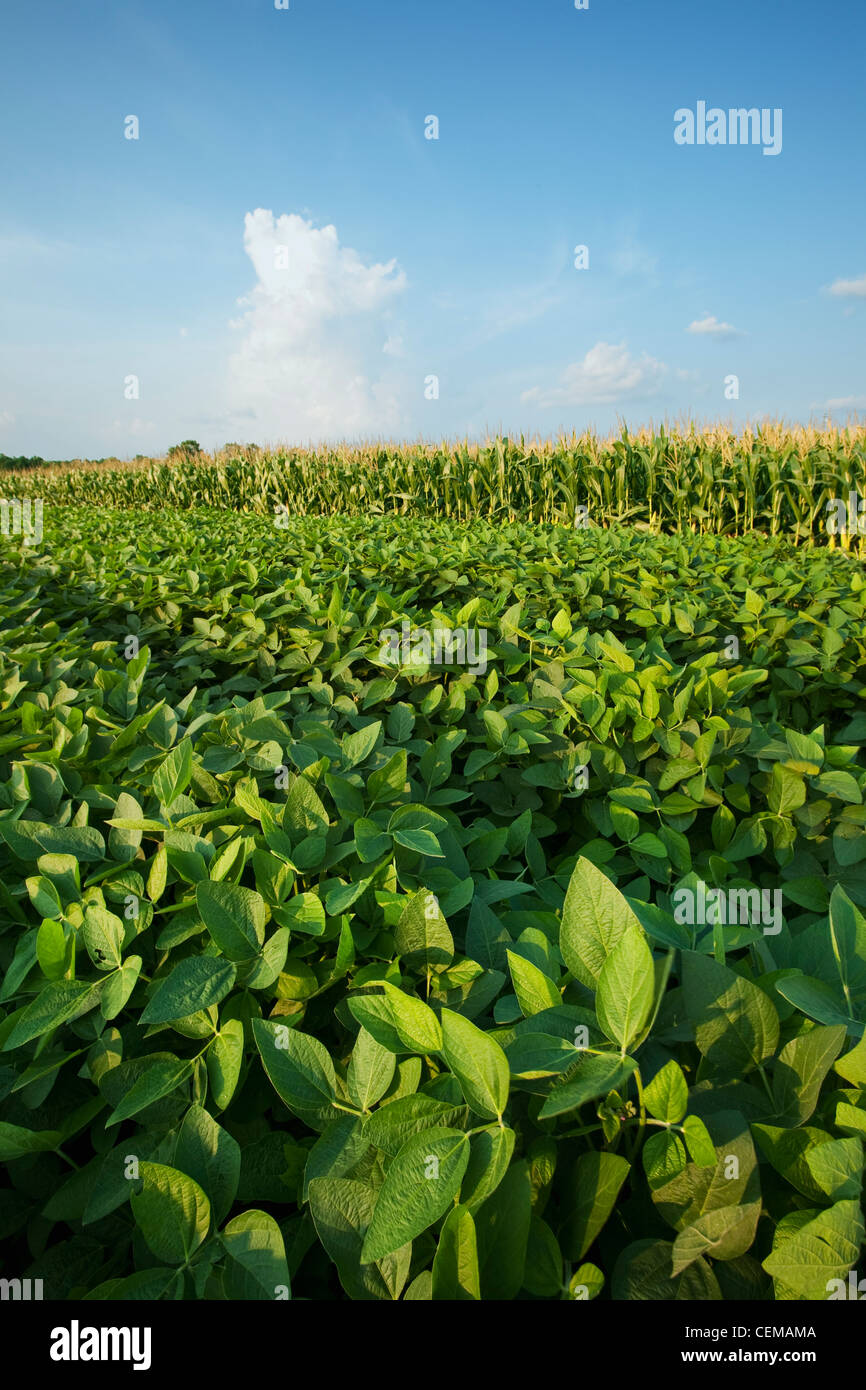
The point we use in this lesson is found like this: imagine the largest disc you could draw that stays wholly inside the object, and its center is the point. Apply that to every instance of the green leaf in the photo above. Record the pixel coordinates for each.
(588, 1200)
(174, 773)
(595, 917)
(342, 1210)
(535, 990)
(817, 1000)
(195, 983)
(416, 1025)
(543, 1274)
(300, 1069)
(160, 1079)
(16, 1142)
(390, 1127)
(455, 1264)
(234, 916)
(594, 1077)
(209, 1154)
(103, 934)
(479, 1064)
(823, 1249)
(257, 1266)
(490, 1152)
(837, 1168)
(371, 1070)
(224, 1057)
(52, 950)
(60, 1001)
(800, 1069)
(848, 936)
(339, 1149)
(419, 1187)
(853, 1065)
(422, 936)
(502, 1225)
(171, 1211)
(787, 790)
(29, 839)
(625, 989)
(667, 1095)
(701, 1148)
(736, 1025)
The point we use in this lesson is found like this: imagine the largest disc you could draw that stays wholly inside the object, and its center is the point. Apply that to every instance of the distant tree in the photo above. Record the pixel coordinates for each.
(189, 448)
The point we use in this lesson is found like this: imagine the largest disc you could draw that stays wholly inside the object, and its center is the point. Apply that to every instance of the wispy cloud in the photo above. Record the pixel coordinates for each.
(710, 327)
(847, 403)
(607, 375)
(849, 289)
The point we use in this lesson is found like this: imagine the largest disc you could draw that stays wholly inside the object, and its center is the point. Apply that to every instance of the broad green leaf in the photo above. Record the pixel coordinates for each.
(160, 1079)
(209, 1154)
(17, 1142)
(736, 1025)
(300, 1069)
(371, 1070)
(667, 1095)
(52, 949)
(416, 1025)
(588, 1200)
(490, 1152)
(174, 773)
(391, 1125)
(800, 1069)
(338, 1150)
(824, 1248)
(502, 1227)
(422, 936)
(837, 1168)
(195, 983)
(224, 1057)
(595, 917)
(58, 1002)
(256, 1267)
(479, 1064)
(342, 1210)
(171, 1211)
(593, 1077)
(455, 1264)
(103, 934)
(644, 1272)
(420, 1185)
(543, 1273)
(535, 991)
(235, 918)
(625, 989)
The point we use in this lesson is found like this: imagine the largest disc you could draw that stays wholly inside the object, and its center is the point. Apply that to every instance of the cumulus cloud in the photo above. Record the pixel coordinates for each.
(709, 325)
(310, 360)
(608, 374)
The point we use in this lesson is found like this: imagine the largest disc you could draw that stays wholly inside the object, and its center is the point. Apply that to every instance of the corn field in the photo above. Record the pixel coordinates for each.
(771, 479)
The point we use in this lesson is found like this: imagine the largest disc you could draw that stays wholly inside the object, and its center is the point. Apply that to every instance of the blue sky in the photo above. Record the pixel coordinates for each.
(159, 258)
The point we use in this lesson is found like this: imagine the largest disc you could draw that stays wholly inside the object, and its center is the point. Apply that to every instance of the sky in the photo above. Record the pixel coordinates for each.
(284, 256)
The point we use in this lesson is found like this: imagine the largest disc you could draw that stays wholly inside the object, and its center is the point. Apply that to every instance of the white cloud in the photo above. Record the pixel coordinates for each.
(849, 289)
(847, 403)
(6, 417)
(393, 345)
(710, 326)
(608, 374)
(312, 331)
